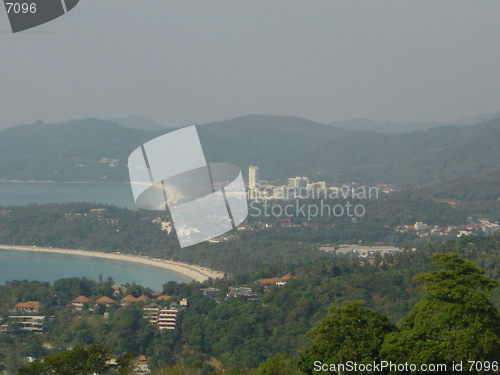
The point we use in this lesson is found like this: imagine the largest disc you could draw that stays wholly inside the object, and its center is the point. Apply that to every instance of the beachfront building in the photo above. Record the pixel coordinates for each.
(30, 306)
(79, 302)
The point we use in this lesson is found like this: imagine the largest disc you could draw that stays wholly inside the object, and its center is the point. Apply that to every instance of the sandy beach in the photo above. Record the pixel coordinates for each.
(193, 272)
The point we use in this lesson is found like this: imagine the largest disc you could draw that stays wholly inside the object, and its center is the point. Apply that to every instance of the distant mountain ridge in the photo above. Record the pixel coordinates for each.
(282, 147)
(391, 127)
(138, 122)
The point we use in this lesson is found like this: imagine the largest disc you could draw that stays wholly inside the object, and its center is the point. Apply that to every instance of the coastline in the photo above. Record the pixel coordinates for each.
(196, 273)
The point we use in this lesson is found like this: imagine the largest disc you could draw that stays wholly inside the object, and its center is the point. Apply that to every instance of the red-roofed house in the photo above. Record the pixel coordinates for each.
(269, 281)
(141, 367)
(104, 300)
(143, 298)
(79, 301)
(163, 298)
(128, 299)
(30, 306)
(280, 281)
(117, 290)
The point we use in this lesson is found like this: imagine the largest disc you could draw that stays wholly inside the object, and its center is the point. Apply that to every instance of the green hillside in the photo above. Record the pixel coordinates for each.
(69, 151)
(282, 146)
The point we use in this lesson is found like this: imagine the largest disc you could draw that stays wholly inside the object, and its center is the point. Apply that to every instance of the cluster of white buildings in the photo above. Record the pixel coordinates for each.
(361, 251)
(297, 187)
(484, 226)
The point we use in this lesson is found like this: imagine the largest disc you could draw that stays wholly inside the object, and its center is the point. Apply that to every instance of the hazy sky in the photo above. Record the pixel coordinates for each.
(183, 62)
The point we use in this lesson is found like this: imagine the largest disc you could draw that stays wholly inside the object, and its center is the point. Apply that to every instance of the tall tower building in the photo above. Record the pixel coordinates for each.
(253, 176)
(298, 182)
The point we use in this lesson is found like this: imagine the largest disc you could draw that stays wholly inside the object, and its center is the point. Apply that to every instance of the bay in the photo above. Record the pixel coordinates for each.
(33, 265)
(19, 265)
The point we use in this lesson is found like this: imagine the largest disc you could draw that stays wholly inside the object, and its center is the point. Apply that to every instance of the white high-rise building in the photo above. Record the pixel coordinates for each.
(298, 182)
(253, 176)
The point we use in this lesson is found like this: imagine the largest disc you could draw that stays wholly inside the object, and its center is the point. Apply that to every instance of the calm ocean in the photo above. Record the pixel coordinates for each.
(19, 265)
(32, 265)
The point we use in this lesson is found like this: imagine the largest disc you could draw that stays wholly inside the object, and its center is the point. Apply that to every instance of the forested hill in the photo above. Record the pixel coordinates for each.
(97, 150)
(72, 151)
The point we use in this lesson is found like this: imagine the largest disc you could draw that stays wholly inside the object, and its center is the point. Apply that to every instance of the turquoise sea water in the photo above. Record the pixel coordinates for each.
(21, 265)
(32, 265)
(23, 193)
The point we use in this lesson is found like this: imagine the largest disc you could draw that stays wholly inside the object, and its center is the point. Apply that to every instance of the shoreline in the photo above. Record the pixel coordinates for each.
(190, 271)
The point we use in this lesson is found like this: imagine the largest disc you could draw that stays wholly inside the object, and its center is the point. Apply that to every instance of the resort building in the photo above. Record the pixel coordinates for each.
(26, 323)
(164, 318)
(279, 281)
(151, 313)
(79, 302)
(142, 298)
(169, 318)
(141, 366)
(246, 292)
(30, 306)
(164, 297)
(128, 299)
(104, 300)
(210, 292)
(119, 290)
(131, 299)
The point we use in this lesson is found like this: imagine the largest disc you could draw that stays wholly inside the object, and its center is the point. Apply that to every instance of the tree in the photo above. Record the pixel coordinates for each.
(349, 333)
(80, 361)
(279, 364)
(179, 369)
(453, 322)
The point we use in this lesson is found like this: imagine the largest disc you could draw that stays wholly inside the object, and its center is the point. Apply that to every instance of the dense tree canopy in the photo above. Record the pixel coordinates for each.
(94, 359)
(454, 321)
(349, 333)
